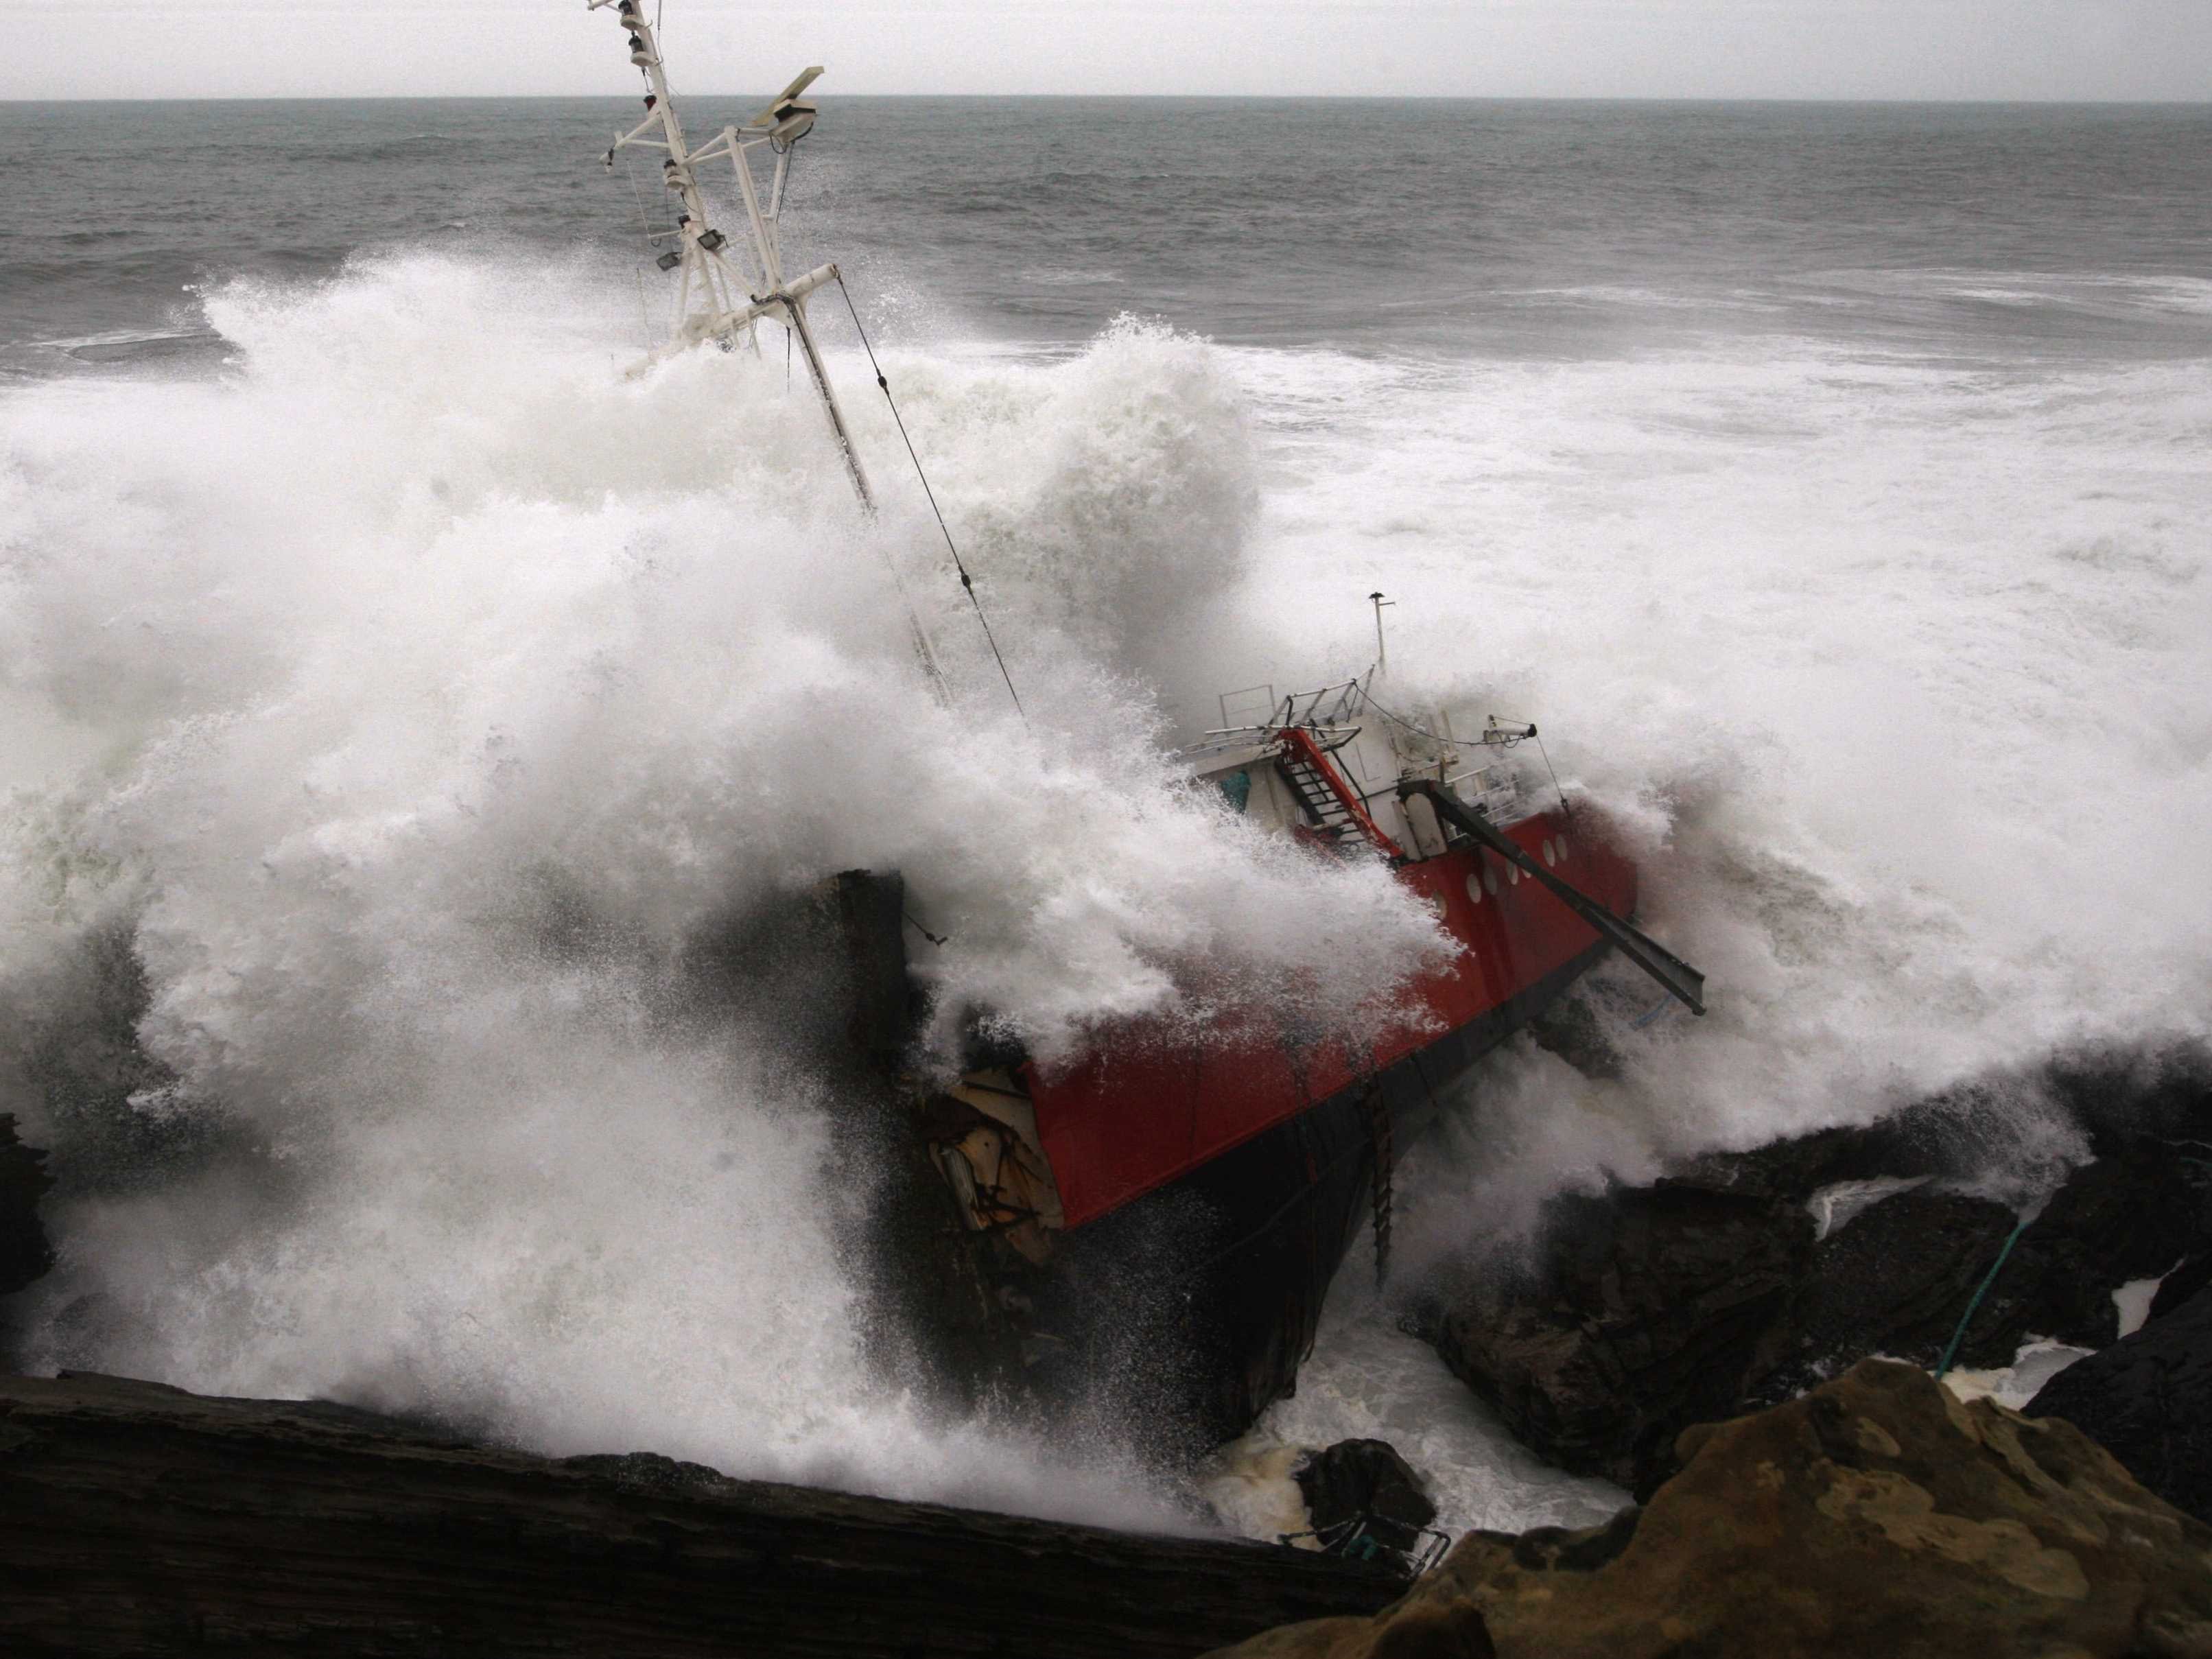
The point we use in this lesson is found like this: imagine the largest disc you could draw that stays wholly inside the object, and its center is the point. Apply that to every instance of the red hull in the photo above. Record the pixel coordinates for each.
(1150, 1105)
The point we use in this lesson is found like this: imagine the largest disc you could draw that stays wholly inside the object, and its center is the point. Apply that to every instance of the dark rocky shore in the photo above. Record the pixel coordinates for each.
(1641, 1311)
(1876, 1515)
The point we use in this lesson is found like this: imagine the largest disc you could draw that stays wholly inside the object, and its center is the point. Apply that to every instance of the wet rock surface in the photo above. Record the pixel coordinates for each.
(1363, 1480)
(1875, 1515)
(138, 1520)
(25, 1253)
(2148, 1401)
(1898, 1278)
(1896, 1281)
(1646, 1311)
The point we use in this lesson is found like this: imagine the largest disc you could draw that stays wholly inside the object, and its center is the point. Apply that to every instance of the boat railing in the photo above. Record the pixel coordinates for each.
(1493, 790)
(1412, 1551)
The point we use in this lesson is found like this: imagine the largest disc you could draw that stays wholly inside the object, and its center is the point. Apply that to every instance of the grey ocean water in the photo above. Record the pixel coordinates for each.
(392, 692)
(1505, 228)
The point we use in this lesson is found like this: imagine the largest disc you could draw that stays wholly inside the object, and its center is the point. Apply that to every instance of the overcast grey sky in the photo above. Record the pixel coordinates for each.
(2089, 49)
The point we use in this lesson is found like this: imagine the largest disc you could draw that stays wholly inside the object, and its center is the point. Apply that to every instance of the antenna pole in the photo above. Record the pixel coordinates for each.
(792, 305)
(1382, 655)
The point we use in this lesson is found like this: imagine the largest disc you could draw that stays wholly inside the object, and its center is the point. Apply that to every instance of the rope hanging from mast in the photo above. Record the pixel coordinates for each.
(967, 581)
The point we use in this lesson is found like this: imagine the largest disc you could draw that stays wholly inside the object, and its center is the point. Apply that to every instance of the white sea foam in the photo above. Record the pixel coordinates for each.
(326, 675)
(1368, 1380)
(423, 637)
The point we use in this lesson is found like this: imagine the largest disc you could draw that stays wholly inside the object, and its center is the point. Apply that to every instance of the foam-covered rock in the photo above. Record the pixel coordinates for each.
(1876, 1515)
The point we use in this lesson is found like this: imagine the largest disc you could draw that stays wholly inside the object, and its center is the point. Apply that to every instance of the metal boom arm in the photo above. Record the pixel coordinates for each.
(1682, 981)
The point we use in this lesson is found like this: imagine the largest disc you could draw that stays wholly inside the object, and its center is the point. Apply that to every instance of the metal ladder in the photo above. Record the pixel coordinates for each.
(1325, 815)
(1339, 819)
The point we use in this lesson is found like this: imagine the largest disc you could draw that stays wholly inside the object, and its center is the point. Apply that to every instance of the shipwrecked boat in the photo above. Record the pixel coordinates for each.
(1183, 1197)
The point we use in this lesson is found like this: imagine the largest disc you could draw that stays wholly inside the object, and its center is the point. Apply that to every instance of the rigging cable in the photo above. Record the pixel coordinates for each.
(958, 564)
(1565, 805)
(645, 230)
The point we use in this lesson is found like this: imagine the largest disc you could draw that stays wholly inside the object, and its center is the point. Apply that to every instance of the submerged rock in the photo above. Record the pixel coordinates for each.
(1875, 1515)
(2148, 1401)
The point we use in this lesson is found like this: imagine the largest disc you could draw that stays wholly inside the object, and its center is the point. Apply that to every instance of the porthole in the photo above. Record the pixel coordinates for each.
(1513, 871)
(1490, 881)
(1549, 856)
(1475, 888)
(1563, 847)
(1440, 904)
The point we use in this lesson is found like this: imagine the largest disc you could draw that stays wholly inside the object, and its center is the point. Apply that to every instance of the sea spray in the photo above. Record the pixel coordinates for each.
(433, 729)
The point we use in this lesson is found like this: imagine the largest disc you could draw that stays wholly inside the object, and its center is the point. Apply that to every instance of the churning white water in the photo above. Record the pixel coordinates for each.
(412, 692)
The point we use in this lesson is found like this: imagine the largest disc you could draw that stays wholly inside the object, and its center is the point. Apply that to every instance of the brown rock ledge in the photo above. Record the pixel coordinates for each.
(140, 1520)
(1875, 1516)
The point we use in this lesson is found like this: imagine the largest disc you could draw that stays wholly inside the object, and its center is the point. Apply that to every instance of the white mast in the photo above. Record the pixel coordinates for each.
(720, 300)
(717, 299)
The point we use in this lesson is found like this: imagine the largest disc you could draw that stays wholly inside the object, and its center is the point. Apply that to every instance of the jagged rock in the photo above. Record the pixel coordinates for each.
(2135, 1215)
(2133, 1092)
(141, 1521)
(1876, 1515)
(1363, 1480)
(25, 1253)
(1645, 1311)
(1895, 1281)
(1649, 1310)
(1899, 1278)
(1917, 1142)
(2148, 1401)
(2177, 1289)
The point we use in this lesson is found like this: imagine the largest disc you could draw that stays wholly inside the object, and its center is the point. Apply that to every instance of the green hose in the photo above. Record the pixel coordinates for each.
(1959, 1336)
